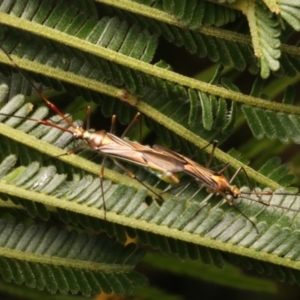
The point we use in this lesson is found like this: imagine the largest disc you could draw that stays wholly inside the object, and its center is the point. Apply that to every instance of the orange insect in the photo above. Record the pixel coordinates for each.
(217, 183)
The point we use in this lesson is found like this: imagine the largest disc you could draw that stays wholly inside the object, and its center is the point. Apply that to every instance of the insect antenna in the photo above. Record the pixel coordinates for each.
(43, 122)
(50, 104)
(266, 203)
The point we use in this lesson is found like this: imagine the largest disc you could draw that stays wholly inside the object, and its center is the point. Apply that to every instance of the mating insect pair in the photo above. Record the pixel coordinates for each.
(163, 161)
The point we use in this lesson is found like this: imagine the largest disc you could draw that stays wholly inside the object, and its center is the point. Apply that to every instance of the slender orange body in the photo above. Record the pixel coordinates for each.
(108, 144)
(215, 182)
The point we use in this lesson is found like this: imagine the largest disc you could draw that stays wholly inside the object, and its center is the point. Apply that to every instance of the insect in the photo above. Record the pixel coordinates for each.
(217, 183)
(109, 145)
(164, 162)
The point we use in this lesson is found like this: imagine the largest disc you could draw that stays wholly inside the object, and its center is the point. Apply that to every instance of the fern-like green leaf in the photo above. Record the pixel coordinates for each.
(58, 260)
(289, 11)
(275, 126)
(108, 59)
(195, 13)
(226, 45)
(277, 171)
(181, 219)
(265, 31)
(133, 83)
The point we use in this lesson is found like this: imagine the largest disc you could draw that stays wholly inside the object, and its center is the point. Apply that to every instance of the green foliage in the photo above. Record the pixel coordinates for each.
(108, 52)
(228, 275)
(59, 260)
